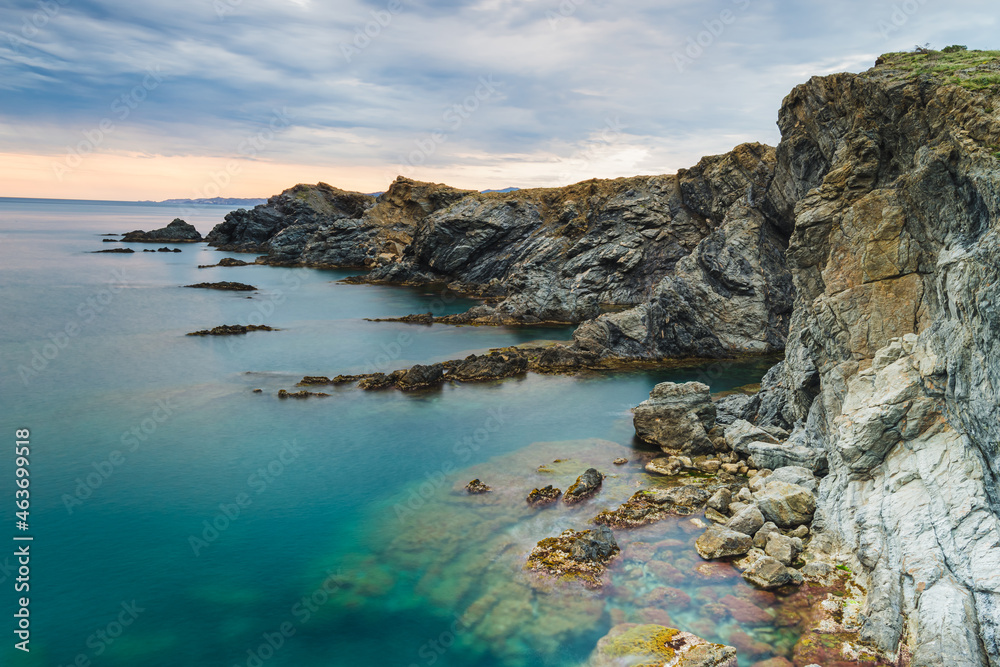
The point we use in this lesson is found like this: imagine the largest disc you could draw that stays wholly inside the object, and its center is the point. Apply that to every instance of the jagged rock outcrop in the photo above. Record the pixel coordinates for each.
(892, 367)
(319, 225)
(560, 254)
(177, 231)
(677, 417)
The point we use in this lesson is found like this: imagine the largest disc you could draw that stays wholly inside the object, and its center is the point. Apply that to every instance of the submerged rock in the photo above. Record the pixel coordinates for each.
(114, 250)
(177, 231)
(652, 505)
(284, 393)
(225, 286)
(631, 644)
(234, 330)
(543, 496)
(476, 487)
(677, 417)
(586, 485)
(579, 555)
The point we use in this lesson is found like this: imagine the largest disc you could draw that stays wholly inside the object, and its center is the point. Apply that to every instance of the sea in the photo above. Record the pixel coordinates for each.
(178, 516)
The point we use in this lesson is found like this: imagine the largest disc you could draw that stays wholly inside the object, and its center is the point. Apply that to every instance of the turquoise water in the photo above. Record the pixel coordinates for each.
(219, 517)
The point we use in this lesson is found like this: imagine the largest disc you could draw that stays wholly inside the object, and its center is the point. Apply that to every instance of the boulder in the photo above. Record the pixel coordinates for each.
(799, 475)
(748, 521)
(631, 644)
(677, 417)
(421, 377)
(768, 573)
(720, 542)
(585, 486)
(543, 496)
(786, 505)
(785, 549)
(664, 465)
(741, 433)
(730, 408)
(582, 555)
(760, 538)
(720, 500)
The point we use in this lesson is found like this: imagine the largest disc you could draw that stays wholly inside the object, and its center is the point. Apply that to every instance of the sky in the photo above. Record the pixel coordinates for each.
(131, 99)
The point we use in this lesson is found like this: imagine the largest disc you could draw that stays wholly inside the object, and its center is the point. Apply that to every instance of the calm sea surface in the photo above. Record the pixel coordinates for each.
(181, 519)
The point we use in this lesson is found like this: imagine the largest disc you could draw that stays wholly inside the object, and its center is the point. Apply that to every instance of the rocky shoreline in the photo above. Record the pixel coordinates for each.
(864, 247)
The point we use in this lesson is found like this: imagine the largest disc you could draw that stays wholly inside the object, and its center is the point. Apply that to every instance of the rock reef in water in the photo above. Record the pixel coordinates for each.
(582, 555)
(635, 644)
(225, 286)
(177, 231)
(232, 330)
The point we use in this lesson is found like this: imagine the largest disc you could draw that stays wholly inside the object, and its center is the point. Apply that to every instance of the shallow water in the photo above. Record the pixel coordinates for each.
(160, 478)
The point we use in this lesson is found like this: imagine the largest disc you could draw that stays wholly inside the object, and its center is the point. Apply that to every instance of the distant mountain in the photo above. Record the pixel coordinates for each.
(214, 201)
(504, 190)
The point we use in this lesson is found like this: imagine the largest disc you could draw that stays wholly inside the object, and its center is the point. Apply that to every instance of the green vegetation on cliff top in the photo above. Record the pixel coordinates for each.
(974, 70)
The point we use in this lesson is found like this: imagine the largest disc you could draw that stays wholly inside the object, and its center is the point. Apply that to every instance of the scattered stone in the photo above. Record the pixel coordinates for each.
(664, 465)
(225, 286)
(720, 500)
(125, 251)
(799, 475)
(747, 521)
(708, 465)
(620, 461)
(787, 505)
(582, 555)
(476, 487)
(760, 538)
(629, 644)
(783, 548)
(715, 516)
(543, 496)
(586, 485)
(258, 391)
(677, 417)
(801, 532)
(233, 330)
(768, 573)
(744, 495)
(720, 542)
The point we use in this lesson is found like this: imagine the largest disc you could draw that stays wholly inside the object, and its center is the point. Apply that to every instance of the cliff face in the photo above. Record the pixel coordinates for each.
(892, 367)
(561, 254)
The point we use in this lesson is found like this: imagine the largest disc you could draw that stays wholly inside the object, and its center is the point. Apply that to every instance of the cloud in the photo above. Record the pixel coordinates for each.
(374, 86)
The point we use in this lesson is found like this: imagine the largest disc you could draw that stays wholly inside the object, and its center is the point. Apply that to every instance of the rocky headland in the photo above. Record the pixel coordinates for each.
(865, 247)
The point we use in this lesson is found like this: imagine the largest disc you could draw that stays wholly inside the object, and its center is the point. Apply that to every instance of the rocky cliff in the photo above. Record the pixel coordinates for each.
(892, 369)
(564, 254)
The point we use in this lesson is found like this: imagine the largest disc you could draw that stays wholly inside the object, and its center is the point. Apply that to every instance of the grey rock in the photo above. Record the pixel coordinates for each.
(748, 521)
(177, 231)
(720, 542)
(677, 417)
(597, 544)
(730, 408)
(786, 505)
(769, 572)
(665, 465)
(799, 475)
(741, 433)
(720, 500)
(586, 485)
(782, 547)
(760, 538)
